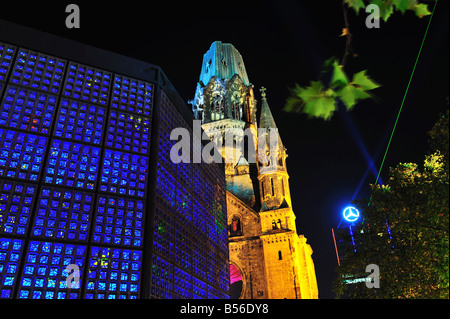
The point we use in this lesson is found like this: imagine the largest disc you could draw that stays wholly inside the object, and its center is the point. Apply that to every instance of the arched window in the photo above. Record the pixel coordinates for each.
(235, 227)
(274, 224)
(279, 255)
(279, 224)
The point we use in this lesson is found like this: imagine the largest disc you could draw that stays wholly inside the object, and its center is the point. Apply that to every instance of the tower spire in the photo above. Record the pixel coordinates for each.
(266, 119)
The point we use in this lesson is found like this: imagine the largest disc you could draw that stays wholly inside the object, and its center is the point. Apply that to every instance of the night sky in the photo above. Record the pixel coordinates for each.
(283, 43)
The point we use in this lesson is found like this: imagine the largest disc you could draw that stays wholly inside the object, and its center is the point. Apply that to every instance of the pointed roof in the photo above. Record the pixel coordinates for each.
(266, 119)
(242, 161)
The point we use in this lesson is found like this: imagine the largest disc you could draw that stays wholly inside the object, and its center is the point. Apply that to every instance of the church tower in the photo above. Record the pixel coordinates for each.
(268, 259)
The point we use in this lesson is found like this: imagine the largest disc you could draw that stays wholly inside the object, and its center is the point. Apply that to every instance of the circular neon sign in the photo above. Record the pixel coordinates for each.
(351, 214)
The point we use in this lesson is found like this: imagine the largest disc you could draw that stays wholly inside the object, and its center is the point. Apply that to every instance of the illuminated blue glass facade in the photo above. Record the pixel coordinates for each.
(44, 273)
(190, 234)
(28, 110)
(10, 257)
(86, 182)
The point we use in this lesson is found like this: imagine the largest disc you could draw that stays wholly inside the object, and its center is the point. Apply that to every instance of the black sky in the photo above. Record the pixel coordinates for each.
(283, 43)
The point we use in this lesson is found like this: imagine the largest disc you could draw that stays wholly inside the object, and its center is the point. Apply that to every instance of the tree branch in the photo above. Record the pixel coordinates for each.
(348, 35)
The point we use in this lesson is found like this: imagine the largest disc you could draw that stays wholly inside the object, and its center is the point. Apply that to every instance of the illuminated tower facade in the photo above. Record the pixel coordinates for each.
(268, 259)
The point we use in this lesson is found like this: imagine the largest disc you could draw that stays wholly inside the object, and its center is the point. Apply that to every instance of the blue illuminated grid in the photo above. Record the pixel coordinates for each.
(63, 214)
(10, 252)
(38, 71)
(132, 95)
(165, 184)
(213, 293)
(189, 192)
(184, 204)
(16, 202)
(199, 288)
(182, 284)
(27, 110)
(114, 273)
(6, 57)
(199, 216)
(44, 273)
(80, 121)
(21, 154)
(162, 278)
(199, 264)
(124, 173)
(72, 164)
(87, 84)
(163, 227)
(119, 221)
(128, 132)
(183, 247)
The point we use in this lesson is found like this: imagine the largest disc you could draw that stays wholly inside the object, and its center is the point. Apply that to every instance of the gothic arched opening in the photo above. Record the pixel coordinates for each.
(236, 282)
(235, 227)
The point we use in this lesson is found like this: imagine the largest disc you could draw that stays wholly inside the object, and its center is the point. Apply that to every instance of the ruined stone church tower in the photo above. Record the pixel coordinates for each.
(268, 259)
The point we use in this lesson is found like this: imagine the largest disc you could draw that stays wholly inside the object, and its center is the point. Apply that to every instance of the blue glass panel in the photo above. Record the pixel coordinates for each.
(80, 121)
(21, 154)
(119, 221)
(165, 184)
(128, 132)
(10, 252)
(199, 289)
(132, 95)
(124, 173)
(38, 71)
(88, 84)
(199, 255)
(113, 273)
(213, 293)
(162, 278)
(16, 202)
(27, 109)
(47, 268)
(63, 214)
(163, 230)
(199, 216)
(184, 204)
(183, 286)
(183, 247)
(72, 164)
(6, 56)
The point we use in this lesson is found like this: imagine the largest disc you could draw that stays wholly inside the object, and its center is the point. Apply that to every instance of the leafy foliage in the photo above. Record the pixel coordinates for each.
(319, 99)
(405, 231)
(356, 4)
(387, 7)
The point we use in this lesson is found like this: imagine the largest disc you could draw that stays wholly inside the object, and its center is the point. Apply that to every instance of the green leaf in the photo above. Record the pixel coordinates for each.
(312, 100)
(356, 90)
(293, 104)
(350, 94)
(362, 80)
(339, 78)
(421, 10)
(355, 4)
(318, 103)
(403, 5)
(386, 8)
